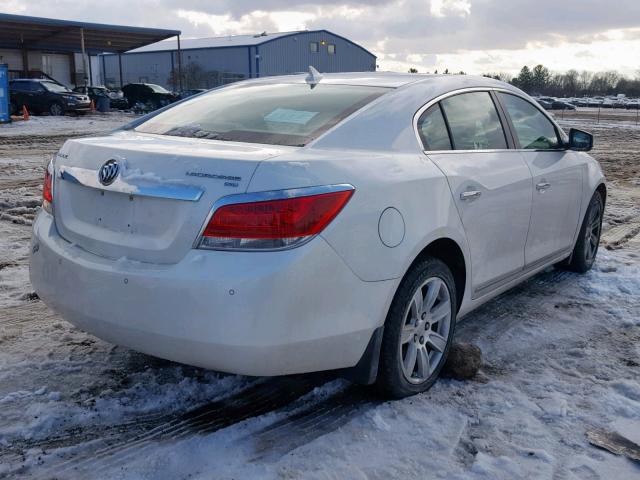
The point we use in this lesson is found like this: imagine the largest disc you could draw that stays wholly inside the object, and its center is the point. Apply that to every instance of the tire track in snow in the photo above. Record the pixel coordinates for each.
(311, 422)
(30, 312)
(258, 399)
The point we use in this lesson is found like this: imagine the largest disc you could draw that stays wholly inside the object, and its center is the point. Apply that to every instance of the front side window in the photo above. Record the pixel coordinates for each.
(313, 46)
(533, 129)
(474, 122)
(331, 49)
(277, 114)
(433, 129)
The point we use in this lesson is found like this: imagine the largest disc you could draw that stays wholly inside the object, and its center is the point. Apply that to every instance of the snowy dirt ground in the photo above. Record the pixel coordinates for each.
(561, 356)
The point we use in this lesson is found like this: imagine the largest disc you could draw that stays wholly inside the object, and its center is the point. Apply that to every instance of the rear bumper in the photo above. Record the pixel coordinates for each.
(118, 103)
(80, 107)
(250, 313)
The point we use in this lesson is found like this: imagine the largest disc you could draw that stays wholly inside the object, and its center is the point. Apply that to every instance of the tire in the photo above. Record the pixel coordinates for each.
(586, 247)
(56, 109)
(427, 329)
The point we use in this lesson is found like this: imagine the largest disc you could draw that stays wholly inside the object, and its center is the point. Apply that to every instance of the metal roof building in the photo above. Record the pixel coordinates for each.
(209, 62)
(65, 50)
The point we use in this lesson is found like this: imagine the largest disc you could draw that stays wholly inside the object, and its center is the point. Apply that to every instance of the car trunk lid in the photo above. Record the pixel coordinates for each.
(161, 196)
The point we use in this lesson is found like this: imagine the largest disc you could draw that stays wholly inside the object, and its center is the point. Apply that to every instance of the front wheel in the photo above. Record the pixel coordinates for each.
(418, 331)
(586, 247)
(56, 109)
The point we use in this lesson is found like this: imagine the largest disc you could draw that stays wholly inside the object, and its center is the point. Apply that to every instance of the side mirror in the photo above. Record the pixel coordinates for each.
(580, 141)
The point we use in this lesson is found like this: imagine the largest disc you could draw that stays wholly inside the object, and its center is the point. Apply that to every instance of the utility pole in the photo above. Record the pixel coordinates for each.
(84, 57)
(179, 65)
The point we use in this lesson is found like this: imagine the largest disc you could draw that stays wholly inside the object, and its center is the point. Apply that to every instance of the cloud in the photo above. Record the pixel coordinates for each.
(441, 8)
(474, 35)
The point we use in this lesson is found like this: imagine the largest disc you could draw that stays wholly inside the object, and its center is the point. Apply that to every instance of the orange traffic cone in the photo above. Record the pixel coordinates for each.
(25, 113)
(93, 106)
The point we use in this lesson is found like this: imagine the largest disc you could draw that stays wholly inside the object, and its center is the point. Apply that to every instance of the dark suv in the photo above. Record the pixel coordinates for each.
(149, 95)
(45, 96)
(116, 98)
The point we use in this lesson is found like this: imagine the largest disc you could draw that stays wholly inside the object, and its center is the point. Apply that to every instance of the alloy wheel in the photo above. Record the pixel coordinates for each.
(425, 330)
(592, 232)
(56, 109)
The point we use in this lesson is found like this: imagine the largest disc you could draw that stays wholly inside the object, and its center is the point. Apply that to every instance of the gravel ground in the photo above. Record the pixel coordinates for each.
(561, 356)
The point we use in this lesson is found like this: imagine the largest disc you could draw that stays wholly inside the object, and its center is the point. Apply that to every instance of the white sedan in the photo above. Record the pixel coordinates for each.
(295, 224)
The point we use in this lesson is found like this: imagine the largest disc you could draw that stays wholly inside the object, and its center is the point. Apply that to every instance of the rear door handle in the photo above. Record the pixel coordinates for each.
(542, 186)
(470, 195)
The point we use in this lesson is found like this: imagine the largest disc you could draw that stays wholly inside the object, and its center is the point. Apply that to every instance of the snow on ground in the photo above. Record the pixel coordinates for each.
(67, 125)
(561, 352)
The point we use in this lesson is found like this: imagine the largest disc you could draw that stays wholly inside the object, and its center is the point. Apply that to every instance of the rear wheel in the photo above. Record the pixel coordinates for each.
(586, 247)
(418, 331)
(56, 109)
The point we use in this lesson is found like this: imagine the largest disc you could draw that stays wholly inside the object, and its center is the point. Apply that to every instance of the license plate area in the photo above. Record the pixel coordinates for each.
(120, 217)
(114, 211)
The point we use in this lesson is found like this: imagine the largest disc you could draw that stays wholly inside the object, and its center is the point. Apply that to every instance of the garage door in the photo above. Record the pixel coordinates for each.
(57, 66)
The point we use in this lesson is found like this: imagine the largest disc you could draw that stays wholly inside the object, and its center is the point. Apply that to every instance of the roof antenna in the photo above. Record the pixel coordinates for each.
(313, 78)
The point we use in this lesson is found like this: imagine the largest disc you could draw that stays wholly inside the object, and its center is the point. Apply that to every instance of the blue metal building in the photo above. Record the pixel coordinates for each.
(209, 62)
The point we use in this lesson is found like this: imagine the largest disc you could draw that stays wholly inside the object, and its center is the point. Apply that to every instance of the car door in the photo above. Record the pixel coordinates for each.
(464, 136)
(15, 95)
(21, 95)
(42, 98)
(557, 176)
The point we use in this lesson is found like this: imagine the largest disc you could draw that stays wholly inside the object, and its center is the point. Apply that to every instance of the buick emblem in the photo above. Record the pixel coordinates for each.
(109, 172)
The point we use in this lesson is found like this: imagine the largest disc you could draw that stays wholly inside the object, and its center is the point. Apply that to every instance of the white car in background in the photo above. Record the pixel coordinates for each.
(289, 224)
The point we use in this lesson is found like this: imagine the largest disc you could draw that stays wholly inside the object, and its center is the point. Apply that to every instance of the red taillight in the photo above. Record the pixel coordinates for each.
(47, 188)
(272, 223)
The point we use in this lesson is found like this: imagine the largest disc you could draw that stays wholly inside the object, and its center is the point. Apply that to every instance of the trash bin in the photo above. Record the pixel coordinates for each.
(102, 104)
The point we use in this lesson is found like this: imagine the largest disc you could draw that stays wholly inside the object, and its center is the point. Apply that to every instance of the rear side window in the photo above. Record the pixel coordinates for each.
(533, 129)
(23, 86)
(433, 129)
(277, 114)
(474, 122)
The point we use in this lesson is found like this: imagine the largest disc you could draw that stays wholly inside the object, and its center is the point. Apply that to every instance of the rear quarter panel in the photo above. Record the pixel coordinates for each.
(408, 182)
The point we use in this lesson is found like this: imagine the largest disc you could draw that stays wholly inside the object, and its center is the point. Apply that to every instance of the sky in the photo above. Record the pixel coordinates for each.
(475, 36)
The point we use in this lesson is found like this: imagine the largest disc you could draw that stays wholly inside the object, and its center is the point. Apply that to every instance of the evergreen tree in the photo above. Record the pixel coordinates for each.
(524, 80)
(541, 77)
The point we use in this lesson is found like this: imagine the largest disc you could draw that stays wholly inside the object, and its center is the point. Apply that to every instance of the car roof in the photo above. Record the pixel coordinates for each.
(389, 79)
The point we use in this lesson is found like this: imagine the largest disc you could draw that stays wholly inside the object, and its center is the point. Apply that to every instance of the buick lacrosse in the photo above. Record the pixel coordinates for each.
(302, 223)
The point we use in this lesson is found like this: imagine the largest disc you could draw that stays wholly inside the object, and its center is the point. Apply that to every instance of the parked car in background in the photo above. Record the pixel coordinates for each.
(45, 96)
(633, 105)
(620, 103)
(544, 104)
(562, 105)
(116, 97)
(191, 92)
(294, 224)
(147, 96)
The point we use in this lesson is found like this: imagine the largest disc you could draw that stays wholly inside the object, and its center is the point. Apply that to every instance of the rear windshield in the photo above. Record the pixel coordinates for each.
(157, 88)
(276, 114)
